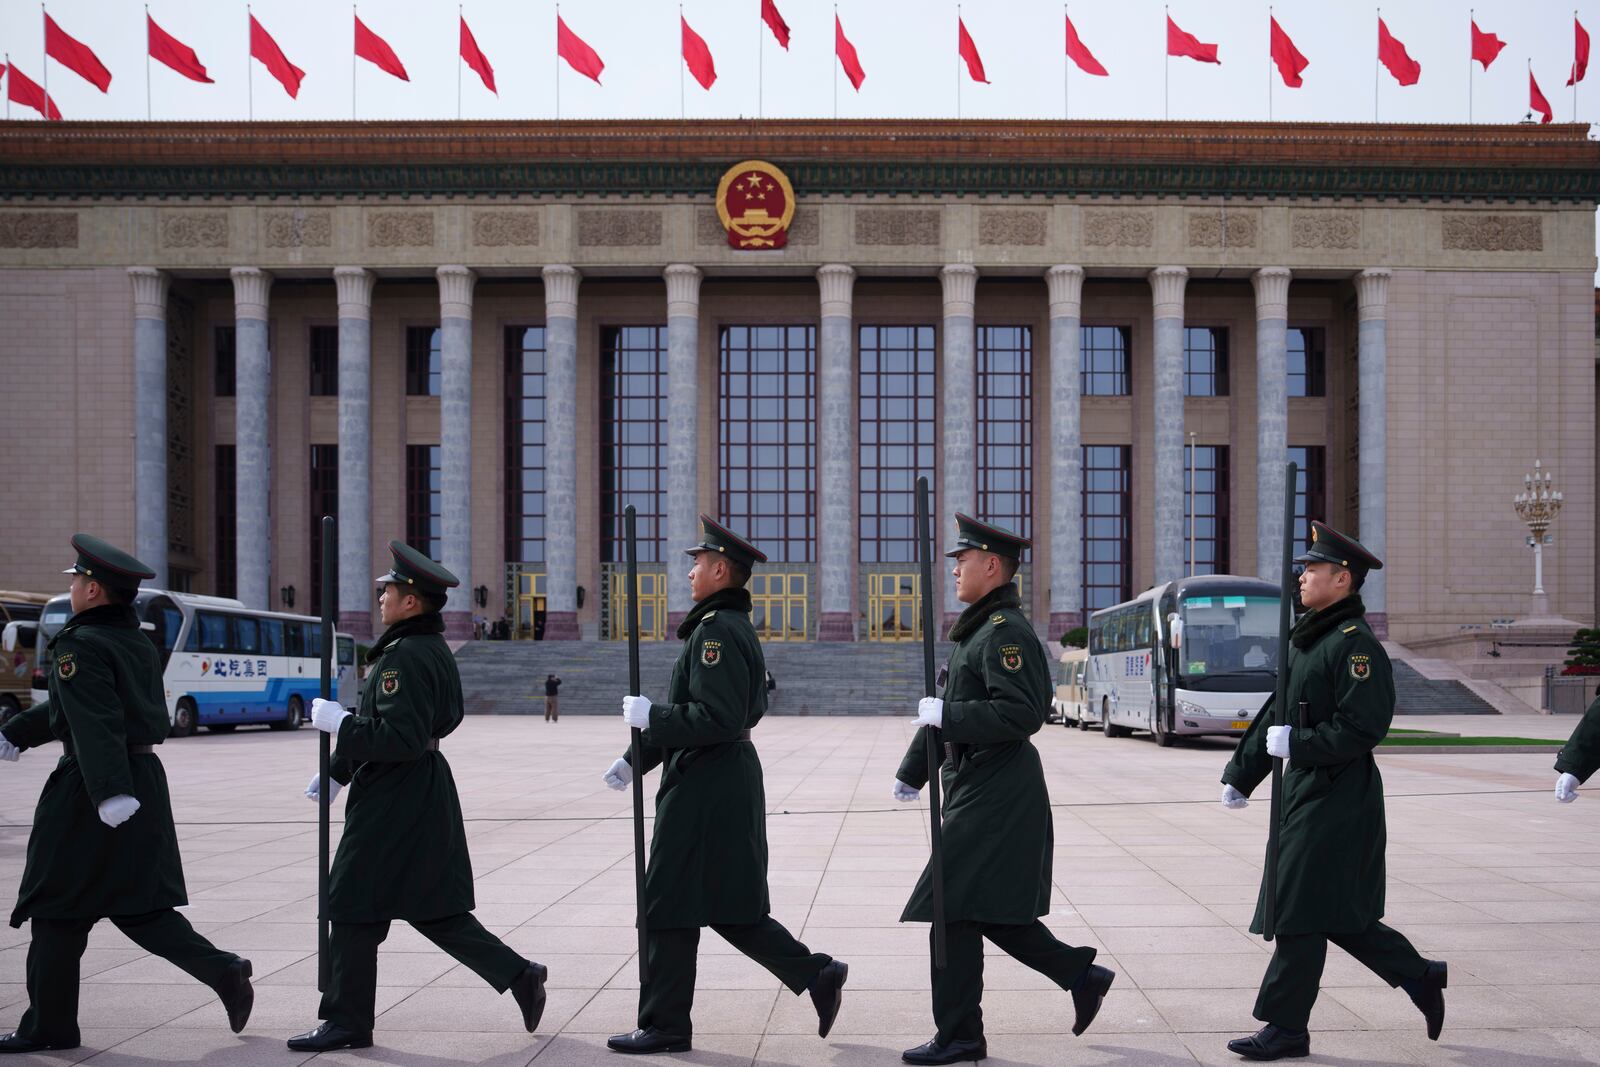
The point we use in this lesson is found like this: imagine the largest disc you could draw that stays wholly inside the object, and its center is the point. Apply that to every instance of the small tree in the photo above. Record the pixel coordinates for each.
(1078, 637)
(1584, 655)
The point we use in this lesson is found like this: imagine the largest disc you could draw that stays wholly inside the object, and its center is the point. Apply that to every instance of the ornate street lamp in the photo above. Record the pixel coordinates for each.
(1537, 506)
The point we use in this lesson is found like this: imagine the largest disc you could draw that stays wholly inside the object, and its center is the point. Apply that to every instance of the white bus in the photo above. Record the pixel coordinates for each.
(1191, 657)
(223, 665)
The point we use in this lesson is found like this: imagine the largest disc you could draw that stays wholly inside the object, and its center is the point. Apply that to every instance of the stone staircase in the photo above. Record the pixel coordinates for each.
(1416, 695)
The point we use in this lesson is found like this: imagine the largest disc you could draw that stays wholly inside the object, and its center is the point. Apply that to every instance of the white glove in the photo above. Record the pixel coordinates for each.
(117, 810)
(1232, 798)
(327, 715)
(904, 793)
(1567, 788)
(9, 752)
(313, 793)
(1278, 741)
(618, 776)
(930, 712)
(636, 712)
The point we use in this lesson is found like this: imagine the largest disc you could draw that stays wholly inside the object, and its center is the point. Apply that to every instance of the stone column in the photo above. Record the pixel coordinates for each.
(958, 424)
(1272, 415)
(561, 452)
(354, 287)
(837, 532)
(1066, 450)
(455, 441)
(1372, 421)
(683, 430)
(150, 420)
(1167, 284)
(252, 389)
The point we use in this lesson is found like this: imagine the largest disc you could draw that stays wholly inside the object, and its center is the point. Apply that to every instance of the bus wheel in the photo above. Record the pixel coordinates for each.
(1105, 721)
(1083, 718)
(183, 719)
(8, 708)
(293, 718)
(1163, 731)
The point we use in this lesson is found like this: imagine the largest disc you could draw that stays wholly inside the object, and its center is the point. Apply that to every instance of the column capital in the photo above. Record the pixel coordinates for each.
(1372, 294)
(1168, 283)
(1065, 283)
(250, 288)
(455, 291)
(149, 293)
(837, 282)
(960, 282)
(354, 286)
(1272, 292)
(561, 291)
(683, 289)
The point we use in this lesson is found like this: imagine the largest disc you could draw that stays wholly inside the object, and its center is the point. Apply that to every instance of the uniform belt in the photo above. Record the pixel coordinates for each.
(133, 750)
(744, 735)
(433, 744)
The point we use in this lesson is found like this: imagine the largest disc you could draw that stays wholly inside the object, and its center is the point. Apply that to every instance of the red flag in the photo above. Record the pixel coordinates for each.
(475, 58)
(847, 55)
(698, 56)
(1288, 58)
(1188, 45)
(26, 92)
(579, 56)
(74, 55)
(775, 23)
(1537, 102)
(264, 48)
(969, 52)
(1393, 55)
(1485, 46)
(1080, 55)
(375, 50)
(1580, 52)
(167, 49)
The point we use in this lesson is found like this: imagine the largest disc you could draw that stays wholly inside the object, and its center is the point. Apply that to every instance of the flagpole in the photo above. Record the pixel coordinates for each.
(1269, 62)
(1472, 19)
(8, 93)
(1166, 74)
(460, 18)
(683, 113)
(353, 18)
(1574, 65)
(761, 65)
(958, 62)
(558, 62)
(836, 62)
(148, 117)
(44, 41)
(249, 69)
(1066, 73)
(1375, 65)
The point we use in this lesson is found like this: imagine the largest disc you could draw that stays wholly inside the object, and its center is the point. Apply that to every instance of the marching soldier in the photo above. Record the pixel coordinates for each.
(708, 856)
(998, 834)
(1580, 756)
(403, 854)
(1332, 834)
(103, 844)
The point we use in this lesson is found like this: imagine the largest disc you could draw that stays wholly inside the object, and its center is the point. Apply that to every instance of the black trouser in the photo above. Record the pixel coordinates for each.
(1289, 988)
(353, 983)
(958, 989)
(666, 1000)
(57, 948)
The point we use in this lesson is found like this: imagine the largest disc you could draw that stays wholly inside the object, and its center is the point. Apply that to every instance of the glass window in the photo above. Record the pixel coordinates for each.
(1205, 361)
(525, 441)
(213, 631)
(1229, 633)
(347, 651)
(294, 639)
(313, 639)
(897, 424)
(1310, 489)
(422, 361)
(633, 439)
(1306, 359)
(223, 341)
(225, 505)
(767, 438)
(1205, 488)
(246, 635)
(324, 350)
(272, 637)
(1005, 427)
(424, 518)
(324, 485)
(1104, 353)
(1107, 526)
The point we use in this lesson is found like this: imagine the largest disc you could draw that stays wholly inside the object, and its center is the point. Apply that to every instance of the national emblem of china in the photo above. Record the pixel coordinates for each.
(756, 204)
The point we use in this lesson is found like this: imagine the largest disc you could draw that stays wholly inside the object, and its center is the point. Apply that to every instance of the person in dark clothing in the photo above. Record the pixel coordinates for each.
(552, 687)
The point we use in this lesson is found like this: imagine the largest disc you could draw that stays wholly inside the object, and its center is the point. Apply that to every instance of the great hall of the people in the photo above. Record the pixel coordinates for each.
(489, 339)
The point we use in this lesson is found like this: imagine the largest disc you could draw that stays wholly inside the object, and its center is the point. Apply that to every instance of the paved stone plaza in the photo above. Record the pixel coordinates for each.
(1486, 870)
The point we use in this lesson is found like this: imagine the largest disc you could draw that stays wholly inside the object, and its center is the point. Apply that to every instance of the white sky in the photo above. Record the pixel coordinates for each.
(908, 48)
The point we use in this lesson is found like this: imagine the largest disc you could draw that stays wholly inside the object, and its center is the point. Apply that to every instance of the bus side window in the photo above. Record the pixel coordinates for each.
(213, 631)
(192, 642)
(347, 651)
(272, 637)
(313, 639)
(294, 644)
(246, 635)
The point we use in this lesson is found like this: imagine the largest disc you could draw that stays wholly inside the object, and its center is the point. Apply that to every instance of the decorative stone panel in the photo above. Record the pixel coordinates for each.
(299, 229)
(897, 226)
(505, 229)
(806, 229)
(1113, 228)
(400, 229)
(609, 228)
(38, 229)
(1004, 226)
(1219, 229)
(195, 229)
(1325, 229)
(1478, 232)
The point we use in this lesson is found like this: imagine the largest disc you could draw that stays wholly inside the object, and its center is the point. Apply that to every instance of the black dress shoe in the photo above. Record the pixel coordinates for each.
(827, 993)
(949, 1052)
(238, 996)
(1429, 995)
(647, 1041)
(1272, 1043)
(15, 1042)
(529, 991)
(328, 1037)
(1087, 993)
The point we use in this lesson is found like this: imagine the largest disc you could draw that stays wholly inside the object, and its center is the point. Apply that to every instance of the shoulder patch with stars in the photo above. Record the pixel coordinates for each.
(66, 666)
(711, 653)
(1361, 666)
(389, 683)
(1011, 657)
(997, 618)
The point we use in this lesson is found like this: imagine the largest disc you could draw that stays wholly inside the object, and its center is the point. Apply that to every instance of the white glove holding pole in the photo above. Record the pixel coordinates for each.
(9, 752)
(313, 791)
(618, 776)
(1567, 788)
(1232, 798)
(930, 712)
(117, 810)
(328, 715)
(1278, 741)
(904, 793)
(636, 712)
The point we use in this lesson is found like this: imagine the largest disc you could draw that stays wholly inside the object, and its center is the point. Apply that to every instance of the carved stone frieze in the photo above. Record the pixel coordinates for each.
(1008, 226)
(897, 226)
(708, 232)
(1325, 229)
(195, 229)
(1118, 228)
(38, 229)
(400, 229)
(1208, 230)
(1479, 232)
(619, 228)
(505, 229)
(299, 229)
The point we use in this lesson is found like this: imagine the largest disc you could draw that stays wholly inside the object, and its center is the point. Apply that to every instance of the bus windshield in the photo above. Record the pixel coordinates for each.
(55, 616)
(1229, 636)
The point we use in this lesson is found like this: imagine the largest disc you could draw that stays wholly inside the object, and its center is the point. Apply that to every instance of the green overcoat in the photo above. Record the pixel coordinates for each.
(403, 854)
(708, 854)
(998, 834)
(106, 694)
(1580, 756)
(1332, 837)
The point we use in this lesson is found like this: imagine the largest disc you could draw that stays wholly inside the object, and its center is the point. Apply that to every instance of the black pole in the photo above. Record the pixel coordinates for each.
(325, 750)
(634, 741)
(935, 746)
(1280, 696)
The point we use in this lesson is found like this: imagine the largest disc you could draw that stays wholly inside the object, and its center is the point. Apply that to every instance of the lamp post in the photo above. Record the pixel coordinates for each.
(1537, 506)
